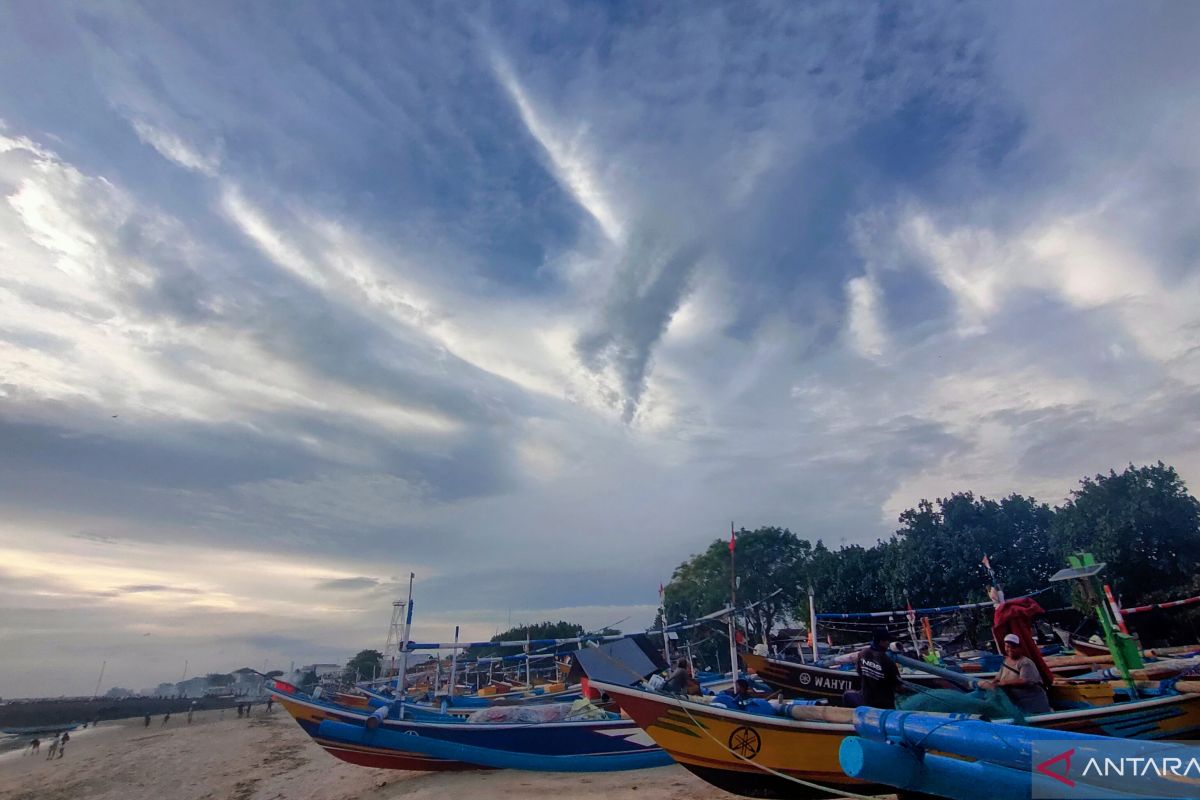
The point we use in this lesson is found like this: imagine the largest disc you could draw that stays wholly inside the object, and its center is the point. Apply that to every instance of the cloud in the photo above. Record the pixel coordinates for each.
(173, 148)
(531, 305)
(158, 588)
(348, 584)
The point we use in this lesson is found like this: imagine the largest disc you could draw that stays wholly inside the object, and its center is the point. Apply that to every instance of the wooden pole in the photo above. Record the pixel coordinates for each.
(402, 684)
(454, 661)
(812, 620)
(733, 664)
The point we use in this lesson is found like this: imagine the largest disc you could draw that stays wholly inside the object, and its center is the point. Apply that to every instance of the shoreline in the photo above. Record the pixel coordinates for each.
(268, 757)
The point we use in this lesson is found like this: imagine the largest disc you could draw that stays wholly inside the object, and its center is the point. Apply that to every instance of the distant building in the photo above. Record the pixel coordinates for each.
(322, 670)
(165, 690)
(192, 687)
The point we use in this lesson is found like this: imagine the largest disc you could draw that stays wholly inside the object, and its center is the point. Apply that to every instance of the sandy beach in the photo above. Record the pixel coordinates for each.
(268, 757)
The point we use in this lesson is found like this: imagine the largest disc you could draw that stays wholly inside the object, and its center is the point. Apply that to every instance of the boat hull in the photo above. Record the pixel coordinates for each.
(774, 752)
(751, 754)
(615, 741)
(806, 680)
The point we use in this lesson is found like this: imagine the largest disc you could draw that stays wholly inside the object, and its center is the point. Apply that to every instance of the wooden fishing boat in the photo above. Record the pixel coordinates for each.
(764, 756)
(437, 742)
(806, 680)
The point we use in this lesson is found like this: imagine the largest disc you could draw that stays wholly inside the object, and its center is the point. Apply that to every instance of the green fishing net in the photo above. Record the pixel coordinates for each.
(987, 704)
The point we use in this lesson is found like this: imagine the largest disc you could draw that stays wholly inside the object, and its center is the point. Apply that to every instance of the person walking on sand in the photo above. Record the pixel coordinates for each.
(166, 718)
(35, 747)
(53, 748)
(270, 702)
(147, 725)
(62, 743)
(191, 710)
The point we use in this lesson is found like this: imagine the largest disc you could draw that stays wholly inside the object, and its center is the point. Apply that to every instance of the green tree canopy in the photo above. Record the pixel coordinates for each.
(366, 665)
(767, 560)
(1142, 522)
(936, 555)
(308, 680)
(538, 630)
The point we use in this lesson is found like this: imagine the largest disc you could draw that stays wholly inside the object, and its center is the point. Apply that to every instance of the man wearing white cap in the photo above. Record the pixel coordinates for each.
(1019, 678)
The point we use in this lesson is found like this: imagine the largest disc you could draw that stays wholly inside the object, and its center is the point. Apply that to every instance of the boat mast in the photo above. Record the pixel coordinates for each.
(454, 661)
(402, 684)
(96, 693)
(662, 609)
(733, 665)
(812, 620)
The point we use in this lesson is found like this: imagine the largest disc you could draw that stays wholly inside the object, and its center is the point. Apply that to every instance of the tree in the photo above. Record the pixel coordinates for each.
(538, 630)
(366, 665)
(848, 579)
(767, 559)
(935, 557)
(1142, 522)
(308, 680)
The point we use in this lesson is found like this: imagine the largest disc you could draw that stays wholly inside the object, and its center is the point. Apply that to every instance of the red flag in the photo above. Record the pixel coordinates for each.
(732, 538)
(660, 590)
(987, 564)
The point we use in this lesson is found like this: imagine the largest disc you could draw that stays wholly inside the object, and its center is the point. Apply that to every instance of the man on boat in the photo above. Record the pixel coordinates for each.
(677, 681)
(878, 675)
(1020, 679)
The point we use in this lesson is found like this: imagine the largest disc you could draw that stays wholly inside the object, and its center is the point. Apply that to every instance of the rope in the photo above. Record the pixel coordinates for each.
(820, 787)
(838, 791)
(924, 611)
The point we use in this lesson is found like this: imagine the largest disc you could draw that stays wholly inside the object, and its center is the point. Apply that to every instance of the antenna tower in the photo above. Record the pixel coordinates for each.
(395, 638)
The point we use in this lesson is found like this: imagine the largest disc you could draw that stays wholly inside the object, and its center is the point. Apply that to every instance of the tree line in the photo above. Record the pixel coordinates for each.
(1142, 522)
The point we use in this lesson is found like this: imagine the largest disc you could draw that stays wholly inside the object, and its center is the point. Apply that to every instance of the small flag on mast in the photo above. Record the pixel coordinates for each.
(732, 538)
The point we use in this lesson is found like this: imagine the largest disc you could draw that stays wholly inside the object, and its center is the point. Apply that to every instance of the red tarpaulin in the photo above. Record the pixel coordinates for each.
(1016, 616)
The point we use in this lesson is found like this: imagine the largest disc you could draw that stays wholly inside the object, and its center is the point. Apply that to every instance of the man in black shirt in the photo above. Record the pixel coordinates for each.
(877, 673)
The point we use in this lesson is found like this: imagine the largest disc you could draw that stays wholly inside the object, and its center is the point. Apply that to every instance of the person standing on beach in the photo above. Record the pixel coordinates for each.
(62, 743)
(35, 746)
(166, 718)
(147, 725)
(53, 748)
(191, 710)
(270, 702)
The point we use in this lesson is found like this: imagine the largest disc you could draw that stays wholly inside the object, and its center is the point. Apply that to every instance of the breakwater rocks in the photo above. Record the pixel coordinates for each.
(32, 713)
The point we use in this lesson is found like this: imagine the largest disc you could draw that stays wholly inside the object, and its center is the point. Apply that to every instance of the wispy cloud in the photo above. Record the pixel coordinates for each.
(290, 308)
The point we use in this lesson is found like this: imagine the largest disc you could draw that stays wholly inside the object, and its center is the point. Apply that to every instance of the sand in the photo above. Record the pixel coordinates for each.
(270, 758)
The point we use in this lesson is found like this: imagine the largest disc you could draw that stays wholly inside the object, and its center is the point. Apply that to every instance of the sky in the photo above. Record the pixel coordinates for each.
(533, 300)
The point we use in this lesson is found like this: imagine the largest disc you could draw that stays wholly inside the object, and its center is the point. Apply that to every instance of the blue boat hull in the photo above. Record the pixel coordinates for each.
(388, 740)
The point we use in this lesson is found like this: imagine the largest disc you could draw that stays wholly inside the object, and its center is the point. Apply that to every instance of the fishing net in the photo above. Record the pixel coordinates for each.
(546, 712)
(989, 705)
